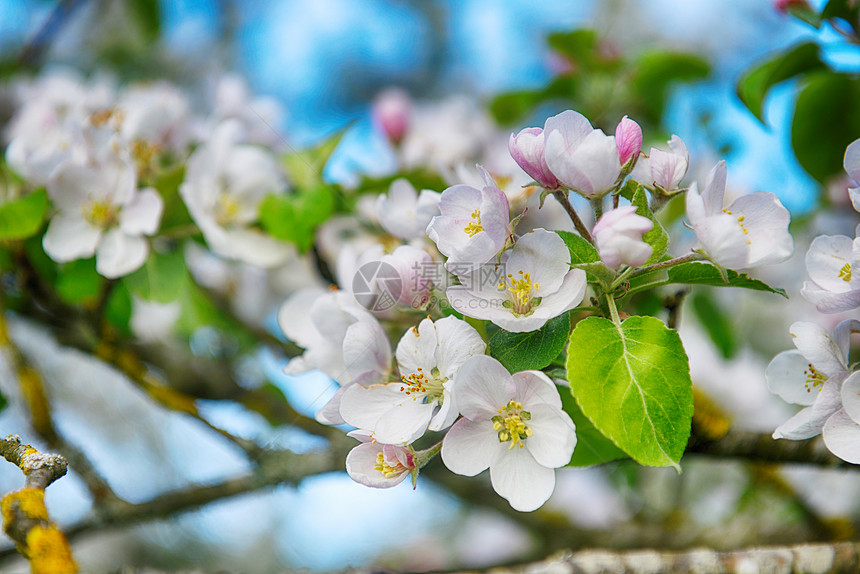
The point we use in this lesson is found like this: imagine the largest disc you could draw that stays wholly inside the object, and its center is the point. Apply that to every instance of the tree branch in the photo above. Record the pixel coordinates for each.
(762, 447)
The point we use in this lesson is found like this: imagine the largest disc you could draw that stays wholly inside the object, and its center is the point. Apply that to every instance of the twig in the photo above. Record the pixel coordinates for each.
(41, 41)
(562, 198)
(763, 448)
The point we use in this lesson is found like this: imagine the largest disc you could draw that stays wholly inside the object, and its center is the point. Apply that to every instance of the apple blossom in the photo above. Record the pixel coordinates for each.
(584, 159)
(429, 357)
(751, 231)
(225, 183)
(527, 149)
(851, 162)
(811, 376)
(474, 225)
(101, 212)
(664, 170)
(512, 424)
(841, 432)
(618, 235)
(628, 139)
(404, 213)
(340, 338)
(391, 112)
(378, 465)
(534, 283)
(834, 283)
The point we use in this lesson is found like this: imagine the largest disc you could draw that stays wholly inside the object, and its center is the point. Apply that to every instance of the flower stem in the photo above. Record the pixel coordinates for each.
(620, 279)
(613, 310)
(562, 198)
(695, 256)
(597, 206)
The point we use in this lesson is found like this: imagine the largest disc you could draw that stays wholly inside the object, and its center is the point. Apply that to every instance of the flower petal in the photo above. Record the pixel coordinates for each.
(518, 477)
(851, 396)
(553, 436)
(482, 387)
(786, 377)
(70, 237)
(142, 214)
(814, 342)
(470, 447)
(119, 254)
(842, 437)
(360, 463)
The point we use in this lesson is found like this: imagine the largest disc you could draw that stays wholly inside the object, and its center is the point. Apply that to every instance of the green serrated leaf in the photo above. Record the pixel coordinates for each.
(755, 84)
(533, 350)
(716, 323)
(826, 119)
(78, 282)
(22, 218)
(657, 237)
(706, 274)
(591, 446)
(633, 383)
(305, 168)
(581, 251)
(161, 279)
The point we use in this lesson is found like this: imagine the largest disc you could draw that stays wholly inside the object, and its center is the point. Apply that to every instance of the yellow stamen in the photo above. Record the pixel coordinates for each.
(511, 426)
(99, 214)
(845, 273)
(386, 469)
(474, 227)
(815, 379)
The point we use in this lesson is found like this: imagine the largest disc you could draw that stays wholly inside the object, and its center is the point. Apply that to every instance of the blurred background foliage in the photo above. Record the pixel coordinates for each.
(773, 93)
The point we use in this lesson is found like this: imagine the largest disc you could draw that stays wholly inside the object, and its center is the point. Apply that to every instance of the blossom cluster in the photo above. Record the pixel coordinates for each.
(818, 375)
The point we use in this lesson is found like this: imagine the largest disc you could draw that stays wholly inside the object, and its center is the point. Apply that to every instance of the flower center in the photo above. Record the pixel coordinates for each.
(510, 424)
(741, 219)
(101, 214)
(521, 289)
(420, 386)
(474, 226)
(815, 379)
(845, 273)
(386, 469)
(226, 209)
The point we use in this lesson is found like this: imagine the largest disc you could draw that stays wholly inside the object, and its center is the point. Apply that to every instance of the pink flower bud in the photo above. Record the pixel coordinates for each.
(785, 5)
(527, 149)
(618, 235)
(628, 139)
(391, 112)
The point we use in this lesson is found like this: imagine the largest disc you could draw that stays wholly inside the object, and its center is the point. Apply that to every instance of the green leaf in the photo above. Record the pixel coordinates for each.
(510, 107)
(118, 308)
(806, 14)
(653, 75)
(716, 323)
(826, 119)
(147, 15)
(167, 184)
(578, 45)
(161, 279)
(755, 84)
(657, 237)
(22, 218)
(581, 251)
(533, 350)
(305, 168)
(78, 282)
(591, 446)
(3, 402)
(295, 217)
(848, 10)
(706, 274)
(633, 383)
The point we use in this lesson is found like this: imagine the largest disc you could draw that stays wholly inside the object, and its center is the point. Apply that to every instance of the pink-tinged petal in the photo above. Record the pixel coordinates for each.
(571, 126)
(786, 377)
(842, 437)
(809, 421)
(366, 351)
(628, 139)
(119, 254)
(457, 341)
(142, 214)
(361, 435)
(404, 423)
(362, 407)
(553, 436)
(534, 388)
(495, 214)
(470, 447)
(482, 387)
(596, 160)
(851, 161)
(851, 396)
(519, 478)
(828, 302)
(724, 240)
(715, 189)
(70, 237)
(360, 463)
(766, 223)
(827, 258)
(694, 205)
(814, 342)
(417, 348)
(527, 149)
(667, 169)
